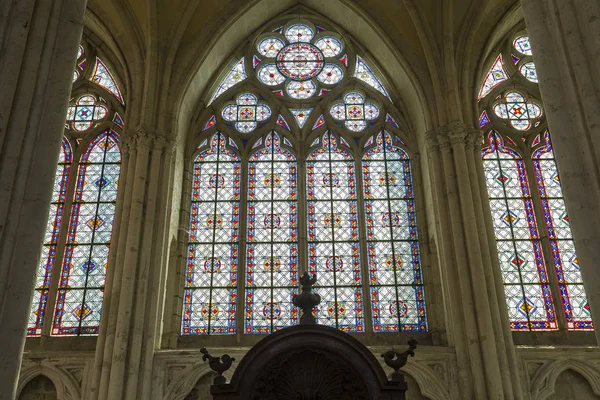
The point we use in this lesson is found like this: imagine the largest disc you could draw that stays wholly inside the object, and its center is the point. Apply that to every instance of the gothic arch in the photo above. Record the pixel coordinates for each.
(402, 83)
(66, 385)
(544, 381)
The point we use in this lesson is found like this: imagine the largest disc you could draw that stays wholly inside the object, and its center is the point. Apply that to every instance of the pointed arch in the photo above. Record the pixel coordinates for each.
(396, 282)
(524, 273)
(50, 246)
(333, 248)
(272, 238)
(83, 272)
(210, 294)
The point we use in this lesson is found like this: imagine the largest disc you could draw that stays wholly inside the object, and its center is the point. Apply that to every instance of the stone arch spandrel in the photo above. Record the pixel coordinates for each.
(543, 383)
(67, 387)
(430, 385)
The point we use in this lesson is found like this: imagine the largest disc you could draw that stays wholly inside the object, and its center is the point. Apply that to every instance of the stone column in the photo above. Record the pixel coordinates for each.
(566, 48)
(476, 326)
(38, 47)
(135, 285)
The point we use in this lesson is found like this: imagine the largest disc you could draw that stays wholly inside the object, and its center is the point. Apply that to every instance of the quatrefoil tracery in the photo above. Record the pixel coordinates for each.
(354, 111)
(517, 110)
(85, 113)
(246, 112)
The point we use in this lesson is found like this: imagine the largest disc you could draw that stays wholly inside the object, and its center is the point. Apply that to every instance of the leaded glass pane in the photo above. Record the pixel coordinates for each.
(272, 239)
(49, 248)
(526, 286)
(333, 248)
(81, 286)
(397, 298)
(211, 276)
(566, 264)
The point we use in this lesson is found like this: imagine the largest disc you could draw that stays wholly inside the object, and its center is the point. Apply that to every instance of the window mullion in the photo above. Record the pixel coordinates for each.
(243, 244)
(362, 242)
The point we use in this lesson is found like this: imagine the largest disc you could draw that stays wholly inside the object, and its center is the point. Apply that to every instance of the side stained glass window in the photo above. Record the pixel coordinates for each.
(333, 248)
(397, 298)
(526, 286)
(212, 267)
(81, 286)
(272, 235)
(49, 249)
(572, 292)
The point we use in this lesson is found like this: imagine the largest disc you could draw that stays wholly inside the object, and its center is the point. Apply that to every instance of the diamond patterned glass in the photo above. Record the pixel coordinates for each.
(333, 248)
(49, 248)
(396, 284)
(272, 239)
(564, 257)
(81, 286)
(526, 286)
(211, 276)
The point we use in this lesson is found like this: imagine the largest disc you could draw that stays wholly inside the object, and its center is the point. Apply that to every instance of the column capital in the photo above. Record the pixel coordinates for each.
(144, 136)
(457, 133)
(474, 138)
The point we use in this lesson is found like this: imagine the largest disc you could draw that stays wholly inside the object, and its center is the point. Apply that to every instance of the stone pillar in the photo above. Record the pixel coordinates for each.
(130, 332)
(477, 328)
(38, 47)
(566, 48)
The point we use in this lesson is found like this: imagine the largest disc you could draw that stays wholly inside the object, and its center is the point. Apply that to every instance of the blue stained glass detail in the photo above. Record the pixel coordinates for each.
(397, 296)
(333, 248)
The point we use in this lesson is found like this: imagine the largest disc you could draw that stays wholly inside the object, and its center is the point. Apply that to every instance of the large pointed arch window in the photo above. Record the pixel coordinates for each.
(396, 281)
(212, 267)
(310, 115)
(535, 244)
(272, 237)
(524, 273)
(81, 286)
(74, 259)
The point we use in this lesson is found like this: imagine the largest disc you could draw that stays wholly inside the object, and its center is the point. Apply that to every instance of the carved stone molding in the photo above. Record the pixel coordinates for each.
(543, 366)
(543, 381)
(457, 132)
(66, 381)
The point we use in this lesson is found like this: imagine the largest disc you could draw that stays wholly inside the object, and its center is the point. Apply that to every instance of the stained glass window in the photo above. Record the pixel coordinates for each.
(397, 298)
(212, 265)
(104, 78)
(86, 113)
(235, 76)
(246, 112)
(297, 61)
(301, 115)
(526, 286)
(495, 76)
(81, 286)
(333, 248)
(566, 264)
(528, 70)
(354, 111)
(365, 74)
(272, 237)
(522, 45)
(517, 110)
(49, 249)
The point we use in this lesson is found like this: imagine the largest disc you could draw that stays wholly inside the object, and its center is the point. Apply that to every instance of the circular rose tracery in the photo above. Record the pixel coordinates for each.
(300, 61)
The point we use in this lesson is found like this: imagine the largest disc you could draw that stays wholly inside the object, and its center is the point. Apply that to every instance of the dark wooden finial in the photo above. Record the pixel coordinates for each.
(307, 300)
